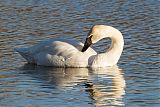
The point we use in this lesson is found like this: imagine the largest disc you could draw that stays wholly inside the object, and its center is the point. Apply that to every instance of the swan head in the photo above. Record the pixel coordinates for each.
(96, 33)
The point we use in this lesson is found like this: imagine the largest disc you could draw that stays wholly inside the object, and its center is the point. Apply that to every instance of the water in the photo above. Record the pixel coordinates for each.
(134, 83)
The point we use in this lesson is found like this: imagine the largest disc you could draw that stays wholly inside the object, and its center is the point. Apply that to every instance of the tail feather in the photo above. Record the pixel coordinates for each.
(25, 53)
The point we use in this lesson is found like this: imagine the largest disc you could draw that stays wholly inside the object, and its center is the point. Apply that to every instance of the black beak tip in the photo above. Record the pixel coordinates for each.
(83, 50)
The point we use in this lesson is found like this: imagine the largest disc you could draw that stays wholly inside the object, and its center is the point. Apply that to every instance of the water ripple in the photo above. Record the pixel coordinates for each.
(26, 22)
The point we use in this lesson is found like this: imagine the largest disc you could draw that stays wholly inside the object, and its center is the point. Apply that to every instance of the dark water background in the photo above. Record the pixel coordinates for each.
(134, 83)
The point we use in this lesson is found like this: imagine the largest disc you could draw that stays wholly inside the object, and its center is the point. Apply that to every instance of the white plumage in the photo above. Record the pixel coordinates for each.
(57, 52)
(67, 53)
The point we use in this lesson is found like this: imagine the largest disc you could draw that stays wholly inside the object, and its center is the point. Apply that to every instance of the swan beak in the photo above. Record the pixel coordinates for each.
(87, 43)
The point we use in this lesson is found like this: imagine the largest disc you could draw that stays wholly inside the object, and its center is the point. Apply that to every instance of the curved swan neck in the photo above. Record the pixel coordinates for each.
(114, 52)
(117, 41)
(112, 55)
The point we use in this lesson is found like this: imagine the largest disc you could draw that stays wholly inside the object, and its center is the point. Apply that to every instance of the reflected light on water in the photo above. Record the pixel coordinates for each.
(110, 90)
(26, 22)
(105, 86)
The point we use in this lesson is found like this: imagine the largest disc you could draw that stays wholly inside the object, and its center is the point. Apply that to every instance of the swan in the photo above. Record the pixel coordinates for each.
(72, 53)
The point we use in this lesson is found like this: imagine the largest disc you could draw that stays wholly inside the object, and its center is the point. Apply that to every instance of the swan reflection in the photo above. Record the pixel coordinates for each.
(59, 77)
(105, 86)
(108, 88)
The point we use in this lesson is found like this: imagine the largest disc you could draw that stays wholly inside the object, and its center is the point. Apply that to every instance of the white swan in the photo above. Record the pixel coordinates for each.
(67, 53)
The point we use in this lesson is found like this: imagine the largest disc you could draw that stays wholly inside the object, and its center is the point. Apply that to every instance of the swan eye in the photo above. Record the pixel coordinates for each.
(90, 36)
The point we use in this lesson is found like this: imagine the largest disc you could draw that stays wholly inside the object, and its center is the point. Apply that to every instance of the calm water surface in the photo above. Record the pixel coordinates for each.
(135, 82)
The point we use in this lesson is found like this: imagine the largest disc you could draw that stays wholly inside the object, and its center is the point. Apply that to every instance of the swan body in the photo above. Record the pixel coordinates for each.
(57, 52)
(72, 53)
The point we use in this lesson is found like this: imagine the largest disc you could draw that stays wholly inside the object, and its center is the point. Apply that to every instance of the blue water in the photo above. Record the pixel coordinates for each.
(134, 82)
